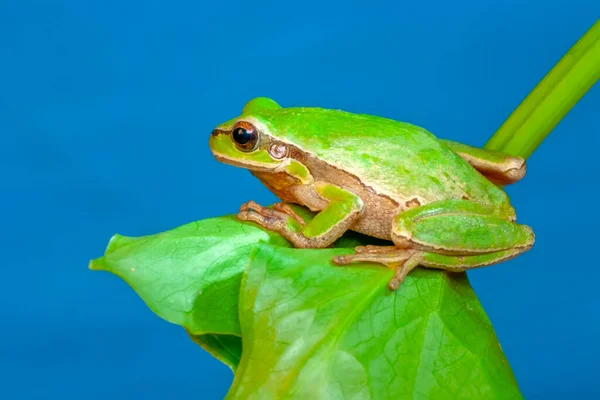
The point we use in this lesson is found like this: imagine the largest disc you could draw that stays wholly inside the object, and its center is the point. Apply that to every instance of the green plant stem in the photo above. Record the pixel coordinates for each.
(551, 99)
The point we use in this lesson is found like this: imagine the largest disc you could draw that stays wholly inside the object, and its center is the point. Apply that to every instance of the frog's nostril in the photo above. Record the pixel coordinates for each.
(215, 132)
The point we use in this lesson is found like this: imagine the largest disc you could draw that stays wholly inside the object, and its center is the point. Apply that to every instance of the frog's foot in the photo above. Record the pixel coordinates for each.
(320, 231)
(287, 209)
(252, 211)
(283, 220)
(402, 261)
(374, 249)
(279, 211)
(272, 219)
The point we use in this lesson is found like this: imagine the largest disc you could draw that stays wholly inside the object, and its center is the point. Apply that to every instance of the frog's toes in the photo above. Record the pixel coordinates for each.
(402, 261)
(252, 206)
(280, 211)
(267, 220)
(270, 219)
(287, 209)
(253, 216)
(343, 260)
(364, 256)
(374, 249)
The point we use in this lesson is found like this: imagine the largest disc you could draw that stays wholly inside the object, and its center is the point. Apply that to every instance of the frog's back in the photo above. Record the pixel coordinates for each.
(396, 159)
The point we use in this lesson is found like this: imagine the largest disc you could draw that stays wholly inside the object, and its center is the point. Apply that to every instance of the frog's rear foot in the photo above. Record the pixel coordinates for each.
(372, 249)
(402, 261)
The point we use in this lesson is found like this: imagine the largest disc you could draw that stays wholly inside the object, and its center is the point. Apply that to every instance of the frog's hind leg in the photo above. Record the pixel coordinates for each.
(460, 227)
(403, 261)
(453, 235)
(499, 168)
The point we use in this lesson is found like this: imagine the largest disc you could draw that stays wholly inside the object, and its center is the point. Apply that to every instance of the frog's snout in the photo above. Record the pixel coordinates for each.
(216, 132)
(213, 139)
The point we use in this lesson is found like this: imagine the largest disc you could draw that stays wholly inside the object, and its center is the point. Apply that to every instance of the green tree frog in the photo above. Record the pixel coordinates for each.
(439, 202)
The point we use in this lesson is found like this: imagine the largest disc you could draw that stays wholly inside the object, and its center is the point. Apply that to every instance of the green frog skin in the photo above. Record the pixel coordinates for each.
(438, 201)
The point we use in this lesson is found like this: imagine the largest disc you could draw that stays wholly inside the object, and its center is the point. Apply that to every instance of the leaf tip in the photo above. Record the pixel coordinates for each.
(98, 264)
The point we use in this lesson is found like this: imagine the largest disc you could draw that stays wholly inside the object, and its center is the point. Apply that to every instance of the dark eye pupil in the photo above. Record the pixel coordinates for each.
(242, 136)
(245, 137)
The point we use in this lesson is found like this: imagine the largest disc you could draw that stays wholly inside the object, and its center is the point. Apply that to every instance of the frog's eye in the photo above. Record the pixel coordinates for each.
(245, 136)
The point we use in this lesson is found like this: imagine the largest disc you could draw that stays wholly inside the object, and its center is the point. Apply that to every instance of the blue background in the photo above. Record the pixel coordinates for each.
(105, 112)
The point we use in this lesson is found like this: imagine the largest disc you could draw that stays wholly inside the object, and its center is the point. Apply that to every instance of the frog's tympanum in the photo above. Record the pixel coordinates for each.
(437, 201)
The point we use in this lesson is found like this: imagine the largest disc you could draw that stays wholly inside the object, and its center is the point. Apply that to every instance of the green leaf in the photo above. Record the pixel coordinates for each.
(305, 320)
(190, 275)
(315, 331)
(225, 348)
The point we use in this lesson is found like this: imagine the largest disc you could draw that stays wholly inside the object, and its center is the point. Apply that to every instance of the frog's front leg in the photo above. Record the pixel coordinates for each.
(454, 235)
(342, 210)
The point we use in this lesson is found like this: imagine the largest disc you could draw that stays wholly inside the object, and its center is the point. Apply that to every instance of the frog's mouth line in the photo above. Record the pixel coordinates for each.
(247, 164)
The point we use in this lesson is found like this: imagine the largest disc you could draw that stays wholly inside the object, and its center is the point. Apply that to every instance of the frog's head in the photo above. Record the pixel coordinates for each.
(247, 141)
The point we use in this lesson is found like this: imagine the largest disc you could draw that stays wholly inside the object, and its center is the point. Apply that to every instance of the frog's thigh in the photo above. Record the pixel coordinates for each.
(463, 263)
(459, 227)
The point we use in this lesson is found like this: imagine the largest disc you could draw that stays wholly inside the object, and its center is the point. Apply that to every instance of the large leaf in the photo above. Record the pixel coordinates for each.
(310, 329)
(314, 331)
(191, 276)
(225, 348)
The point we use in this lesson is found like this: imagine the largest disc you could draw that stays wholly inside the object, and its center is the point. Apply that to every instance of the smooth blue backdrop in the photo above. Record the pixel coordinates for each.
(105, 112)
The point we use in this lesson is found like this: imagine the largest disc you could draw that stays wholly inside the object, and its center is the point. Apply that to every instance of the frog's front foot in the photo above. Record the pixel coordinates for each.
(281, 219)
(269, 218)
(287, 209)
(402, 261)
